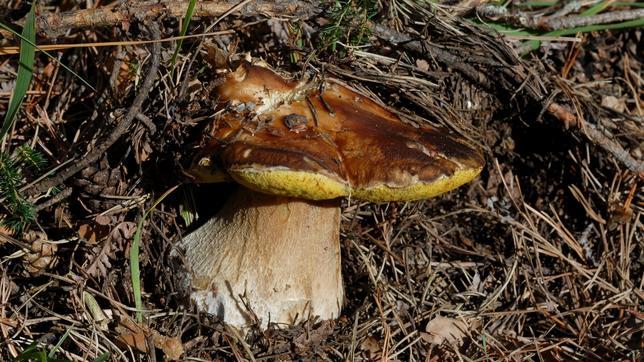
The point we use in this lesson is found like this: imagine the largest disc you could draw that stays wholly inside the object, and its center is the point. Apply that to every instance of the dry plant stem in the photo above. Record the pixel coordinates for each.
(574, 21)
(597, 137)
(277, 257)
(602, 140)
(498, 13)
(458, 62)
(399, 39)
(62, 195)
(55, 25)
(122, 126)
(478, 77)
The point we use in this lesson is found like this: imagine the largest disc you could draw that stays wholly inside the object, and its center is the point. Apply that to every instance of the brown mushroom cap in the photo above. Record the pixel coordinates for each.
(290, 138)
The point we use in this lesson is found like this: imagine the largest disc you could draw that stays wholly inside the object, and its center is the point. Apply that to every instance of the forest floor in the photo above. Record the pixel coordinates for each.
(539, 258)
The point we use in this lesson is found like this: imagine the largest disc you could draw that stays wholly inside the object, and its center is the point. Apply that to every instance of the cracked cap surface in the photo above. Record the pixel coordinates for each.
(297, 139)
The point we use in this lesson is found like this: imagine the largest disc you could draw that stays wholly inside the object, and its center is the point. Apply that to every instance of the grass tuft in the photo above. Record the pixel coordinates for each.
(349, 23)
(13, 168)
(135, 266)
(184, 28)
(25, 69)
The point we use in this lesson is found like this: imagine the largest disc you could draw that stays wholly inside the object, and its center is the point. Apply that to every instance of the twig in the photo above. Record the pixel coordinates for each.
(604, 141)
(53, 25)
(147, 122)
(120, 128)
(499, 13)
(573, 21)
(62, 195)
(472, 66)
(480, 76)
(445, 57)
(597, 137)
(572, 7)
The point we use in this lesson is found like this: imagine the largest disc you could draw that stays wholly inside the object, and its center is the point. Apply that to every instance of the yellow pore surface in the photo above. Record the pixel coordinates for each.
(314, 186)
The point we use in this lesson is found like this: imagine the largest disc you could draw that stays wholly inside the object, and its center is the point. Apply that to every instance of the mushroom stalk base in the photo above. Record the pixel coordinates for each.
(267, 259)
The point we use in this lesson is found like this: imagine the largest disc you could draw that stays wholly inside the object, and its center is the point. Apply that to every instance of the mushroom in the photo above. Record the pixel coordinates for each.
(272, 254)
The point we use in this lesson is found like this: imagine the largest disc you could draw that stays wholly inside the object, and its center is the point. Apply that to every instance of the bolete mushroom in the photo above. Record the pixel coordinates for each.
(296, 147)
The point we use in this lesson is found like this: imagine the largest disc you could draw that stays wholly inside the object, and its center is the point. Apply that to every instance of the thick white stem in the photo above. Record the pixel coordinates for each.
(281, 255)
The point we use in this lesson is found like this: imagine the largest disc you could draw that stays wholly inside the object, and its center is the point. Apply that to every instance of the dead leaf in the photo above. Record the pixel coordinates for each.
(123, 232)
(441, 329)
(371, 347)
(315, 336)
(93, 232)
(134, 340)
(134, 335)
(171, 346)
(87, 233)
(614, 103)
(422, 64)
(215, 55)
(103, 220)
(99, 258)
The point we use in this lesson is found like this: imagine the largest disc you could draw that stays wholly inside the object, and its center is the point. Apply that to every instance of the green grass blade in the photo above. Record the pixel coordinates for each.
(536, 4)
(33, 354)
(48, 54)
(597, 8)
(505, 29)
(25, 70)
(103, 357)
(186, 22)
(135, 267)
(189, 206)
(635, 23)
(628, 5)
(62, 339)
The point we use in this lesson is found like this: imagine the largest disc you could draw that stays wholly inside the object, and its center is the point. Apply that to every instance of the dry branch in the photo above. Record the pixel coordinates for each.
(53, 25)
(481, 71)
(122, 126)
(499, 13)
(458, 62)
(604, 141)
(62, 195)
